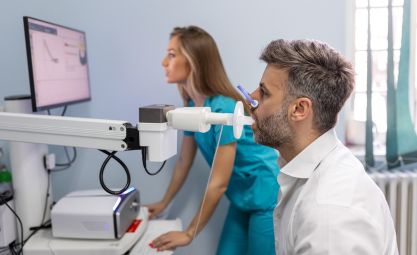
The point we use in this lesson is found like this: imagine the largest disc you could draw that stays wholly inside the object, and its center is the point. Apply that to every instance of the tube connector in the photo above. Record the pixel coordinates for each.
(200, 119)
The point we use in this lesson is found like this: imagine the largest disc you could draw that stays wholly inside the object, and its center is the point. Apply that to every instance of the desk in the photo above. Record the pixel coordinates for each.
(43, 243)
(155, 228)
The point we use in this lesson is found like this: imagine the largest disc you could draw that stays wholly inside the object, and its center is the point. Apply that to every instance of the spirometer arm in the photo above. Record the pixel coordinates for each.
(181, 170)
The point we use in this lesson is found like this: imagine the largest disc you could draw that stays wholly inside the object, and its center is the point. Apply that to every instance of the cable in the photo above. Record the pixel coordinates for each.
(47, 196)
(208, 182)
(4, 248)
(70, 160)
(111, 155)
(20, 224)
(44, 224)
(62, 113)
(144, 152)
(34, 230)
(12, 247)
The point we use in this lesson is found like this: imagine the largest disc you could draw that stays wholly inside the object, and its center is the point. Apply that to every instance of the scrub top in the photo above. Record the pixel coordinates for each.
(253, 184)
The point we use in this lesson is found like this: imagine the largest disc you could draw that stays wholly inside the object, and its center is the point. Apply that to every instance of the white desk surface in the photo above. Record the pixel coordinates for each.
(154, 229)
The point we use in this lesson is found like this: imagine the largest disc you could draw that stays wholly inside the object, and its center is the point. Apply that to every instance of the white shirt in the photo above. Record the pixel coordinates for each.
(329, 205)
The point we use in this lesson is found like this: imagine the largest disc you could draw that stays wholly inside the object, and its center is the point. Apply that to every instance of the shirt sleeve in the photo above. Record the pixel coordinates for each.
(340, 230)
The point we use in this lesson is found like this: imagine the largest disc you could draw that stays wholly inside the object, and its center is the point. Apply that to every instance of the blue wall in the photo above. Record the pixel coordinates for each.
(126, 42)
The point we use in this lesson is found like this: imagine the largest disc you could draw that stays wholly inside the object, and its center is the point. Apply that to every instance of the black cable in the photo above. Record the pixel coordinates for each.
(64, 111)
(18, 219)
(12, 247)
(70, 160)
(34, 230)
(4, 248)
(46, 224)
(111, 155)
(47, 196)
(144, 151)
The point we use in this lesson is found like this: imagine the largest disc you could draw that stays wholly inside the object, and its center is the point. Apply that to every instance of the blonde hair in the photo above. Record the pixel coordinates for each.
(208, 75)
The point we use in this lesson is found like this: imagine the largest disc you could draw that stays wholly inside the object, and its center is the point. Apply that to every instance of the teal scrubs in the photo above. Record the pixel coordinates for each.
(253, 187)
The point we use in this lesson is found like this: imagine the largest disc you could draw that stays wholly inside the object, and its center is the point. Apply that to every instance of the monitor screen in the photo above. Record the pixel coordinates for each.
(58, 66)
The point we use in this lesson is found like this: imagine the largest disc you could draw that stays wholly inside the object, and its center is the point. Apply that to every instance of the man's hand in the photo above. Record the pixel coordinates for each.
(171, 240)
(155, 209)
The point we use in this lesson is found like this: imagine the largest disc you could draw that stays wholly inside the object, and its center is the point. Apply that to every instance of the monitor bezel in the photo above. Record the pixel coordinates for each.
(35, 107)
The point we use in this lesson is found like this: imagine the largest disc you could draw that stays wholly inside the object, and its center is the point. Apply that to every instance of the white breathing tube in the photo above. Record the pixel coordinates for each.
(200, 119)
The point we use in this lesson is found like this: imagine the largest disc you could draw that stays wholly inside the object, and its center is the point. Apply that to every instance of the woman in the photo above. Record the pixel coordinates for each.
(242, 169)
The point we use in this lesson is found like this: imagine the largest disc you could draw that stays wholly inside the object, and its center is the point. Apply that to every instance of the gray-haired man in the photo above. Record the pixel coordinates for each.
(327, 202)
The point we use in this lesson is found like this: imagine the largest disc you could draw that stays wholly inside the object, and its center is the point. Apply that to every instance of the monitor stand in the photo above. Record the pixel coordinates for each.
(29, 177)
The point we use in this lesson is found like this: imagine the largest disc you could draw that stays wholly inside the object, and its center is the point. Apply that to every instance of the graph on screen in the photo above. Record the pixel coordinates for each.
(57, 63)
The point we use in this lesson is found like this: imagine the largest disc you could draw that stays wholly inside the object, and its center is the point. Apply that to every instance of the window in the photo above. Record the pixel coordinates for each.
(378, 10)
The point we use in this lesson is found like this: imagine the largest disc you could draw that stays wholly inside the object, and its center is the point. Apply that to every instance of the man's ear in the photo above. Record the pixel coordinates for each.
(301, 108)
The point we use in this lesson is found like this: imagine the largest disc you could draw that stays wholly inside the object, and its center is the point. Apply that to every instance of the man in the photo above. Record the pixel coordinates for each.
(327, 202)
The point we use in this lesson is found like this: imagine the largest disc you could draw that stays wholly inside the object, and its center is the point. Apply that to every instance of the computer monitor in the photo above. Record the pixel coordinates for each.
(58, 66)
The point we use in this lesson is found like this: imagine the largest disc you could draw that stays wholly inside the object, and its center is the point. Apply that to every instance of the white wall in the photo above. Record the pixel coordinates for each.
(126, 42)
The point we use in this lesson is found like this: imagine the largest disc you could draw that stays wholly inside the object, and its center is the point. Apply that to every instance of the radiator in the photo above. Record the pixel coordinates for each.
(400, 190)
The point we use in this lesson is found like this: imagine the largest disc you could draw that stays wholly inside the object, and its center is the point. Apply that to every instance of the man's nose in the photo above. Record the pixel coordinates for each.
(255, 94)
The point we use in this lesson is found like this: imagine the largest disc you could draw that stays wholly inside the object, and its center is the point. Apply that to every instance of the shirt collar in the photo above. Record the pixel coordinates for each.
(303, 165)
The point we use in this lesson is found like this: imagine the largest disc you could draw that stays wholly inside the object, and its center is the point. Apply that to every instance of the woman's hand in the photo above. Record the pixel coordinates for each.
(155, 209)
(171, 240)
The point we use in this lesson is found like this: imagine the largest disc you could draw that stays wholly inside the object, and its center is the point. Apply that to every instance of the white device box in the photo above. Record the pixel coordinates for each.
(94, 214)
(43, 243)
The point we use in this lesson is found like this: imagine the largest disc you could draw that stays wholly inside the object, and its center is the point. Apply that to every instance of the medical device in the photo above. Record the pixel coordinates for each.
(58, 66)
(253, 103)
(57, 59)
(156, 132)
(156, 129)
(94, 214)
(44, 243)
(199, 119)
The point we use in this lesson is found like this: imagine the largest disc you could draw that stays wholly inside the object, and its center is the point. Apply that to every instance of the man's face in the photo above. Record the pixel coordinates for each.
(272, 127)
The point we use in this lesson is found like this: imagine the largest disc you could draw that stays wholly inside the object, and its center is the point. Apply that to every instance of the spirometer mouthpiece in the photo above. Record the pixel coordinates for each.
(200, 119)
